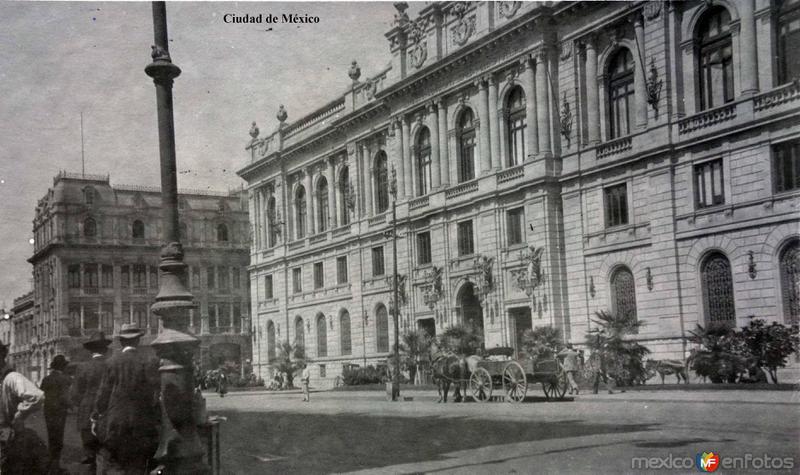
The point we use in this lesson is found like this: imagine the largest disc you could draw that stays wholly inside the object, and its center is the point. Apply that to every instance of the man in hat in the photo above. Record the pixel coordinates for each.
(126, 409)
(84, 392)
(56, 403)
(19, 397)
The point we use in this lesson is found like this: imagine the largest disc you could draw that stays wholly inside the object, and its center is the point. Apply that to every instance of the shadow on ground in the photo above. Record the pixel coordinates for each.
(275, 442)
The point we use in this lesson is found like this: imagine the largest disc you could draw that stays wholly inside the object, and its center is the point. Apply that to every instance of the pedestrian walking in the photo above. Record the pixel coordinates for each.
(21, 450)
(570, 366)
(222, 383)
(305, 379)
(84, 392)
(126, 411)
(56, 404)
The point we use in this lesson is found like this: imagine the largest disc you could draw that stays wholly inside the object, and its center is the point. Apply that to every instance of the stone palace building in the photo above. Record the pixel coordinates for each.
(648, 151)
(95, 266)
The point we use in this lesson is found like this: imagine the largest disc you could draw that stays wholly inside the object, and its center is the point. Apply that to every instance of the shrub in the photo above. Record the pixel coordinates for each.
(769, 346)
(357, 376)
(542, 342)
(722, 355)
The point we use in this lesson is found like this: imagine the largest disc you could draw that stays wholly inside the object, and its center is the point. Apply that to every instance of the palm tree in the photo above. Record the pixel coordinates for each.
(461, 340)
(721, 354)
(291, 358)
(610, 342)
(415, 349)
(542, 342)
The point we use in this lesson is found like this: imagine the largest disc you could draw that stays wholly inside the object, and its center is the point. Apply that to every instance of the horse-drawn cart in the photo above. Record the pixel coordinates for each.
(500, 371)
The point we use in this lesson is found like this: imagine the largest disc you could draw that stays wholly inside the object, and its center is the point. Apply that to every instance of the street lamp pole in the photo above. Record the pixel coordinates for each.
(179, 450)
(396, 385)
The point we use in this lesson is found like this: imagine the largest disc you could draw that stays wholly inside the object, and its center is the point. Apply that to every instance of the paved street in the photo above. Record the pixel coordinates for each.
(360, 431)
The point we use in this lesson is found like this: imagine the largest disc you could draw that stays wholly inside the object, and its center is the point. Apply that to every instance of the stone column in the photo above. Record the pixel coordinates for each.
(433, 126)
(444, 157)
(332, 221)
(592, 98)
(494, 130)
(408, 162)
(529, 86)
(747, 32)
(309, 202)
(639, 85)
(337, 190)
(369, 198)
(483, 119)
(542, 103)
(401, 159)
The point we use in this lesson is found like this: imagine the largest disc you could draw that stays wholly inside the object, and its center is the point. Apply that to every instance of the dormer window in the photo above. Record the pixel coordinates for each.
(88, 195)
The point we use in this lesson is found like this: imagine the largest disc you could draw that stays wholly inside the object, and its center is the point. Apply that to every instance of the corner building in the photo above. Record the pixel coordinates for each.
(95, 267)
(650, 149)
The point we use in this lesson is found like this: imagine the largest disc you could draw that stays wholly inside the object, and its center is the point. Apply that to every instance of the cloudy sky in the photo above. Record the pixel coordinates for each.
(58, 59)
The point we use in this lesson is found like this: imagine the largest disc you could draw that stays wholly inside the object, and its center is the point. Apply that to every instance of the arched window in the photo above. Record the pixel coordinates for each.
(715, 58)
(788, 40)
(382, 329)
(270, 341)
(273, 221)
(423, 161)
(344, 333)
(299, 333)
(517, 150)
(138, 229)
(184, 232)
(222, 233)
(466, 146)
(300, 212)
(620, 93)
(322, 204)
(322, 337)
(88, 195)
(790, 281)
(381, 182)
(717, 286)
(344, 193)
(89, 227)
(623, 293)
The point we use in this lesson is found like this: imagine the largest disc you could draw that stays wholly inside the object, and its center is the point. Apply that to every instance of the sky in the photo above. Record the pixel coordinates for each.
(60, 59)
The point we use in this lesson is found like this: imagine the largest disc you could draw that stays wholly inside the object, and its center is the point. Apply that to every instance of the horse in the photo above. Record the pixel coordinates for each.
(667, 367)
(450, 368)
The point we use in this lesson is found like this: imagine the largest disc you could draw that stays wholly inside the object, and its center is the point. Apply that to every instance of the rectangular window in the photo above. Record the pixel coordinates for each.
(222, 274)
(108, 276)
(237, 318)
(466, 244)
(125, 277)
(322, 372)
(224, 315)
(268, 293)
(786, 160)
(235, 278)
(297, 280)
(91, 316)
(616, 204)
(153, 277)
(424, 248)
(788, 41)
(195, 277)
(515, 219)
(210, 278)
(139, 275)
(708, 188)
(319, 277)
(377, 261)
(341, 270)
(74, 276)
(90, 276)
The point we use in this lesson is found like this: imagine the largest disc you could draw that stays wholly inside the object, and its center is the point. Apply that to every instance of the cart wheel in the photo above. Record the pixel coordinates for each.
(556, 387)
(515, 383)
(480, 384)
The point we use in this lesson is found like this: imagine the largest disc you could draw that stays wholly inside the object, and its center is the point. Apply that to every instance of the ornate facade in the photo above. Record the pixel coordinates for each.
(95, 266)
(551, 159)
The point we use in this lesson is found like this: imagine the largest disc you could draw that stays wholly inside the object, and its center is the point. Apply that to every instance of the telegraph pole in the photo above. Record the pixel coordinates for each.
(179, 450)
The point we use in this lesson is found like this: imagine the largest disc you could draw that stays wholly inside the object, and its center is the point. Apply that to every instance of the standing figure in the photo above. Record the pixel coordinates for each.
(19, 447)
(84, 391)
(570, 366)
(305, 379)
(222, 383)
(56, 403)
(126, 414)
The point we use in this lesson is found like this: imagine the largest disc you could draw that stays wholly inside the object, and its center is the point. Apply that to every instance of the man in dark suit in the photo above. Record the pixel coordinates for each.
(126, 411)
(56, 404)
(84, 391)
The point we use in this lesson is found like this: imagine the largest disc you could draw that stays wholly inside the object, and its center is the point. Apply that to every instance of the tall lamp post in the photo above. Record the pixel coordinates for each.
(179, 450)
(396, 306)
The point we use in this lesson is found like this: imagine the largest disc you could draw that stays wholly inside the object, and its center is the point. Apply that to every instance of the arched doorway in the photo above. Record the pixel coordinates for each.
(471, 310)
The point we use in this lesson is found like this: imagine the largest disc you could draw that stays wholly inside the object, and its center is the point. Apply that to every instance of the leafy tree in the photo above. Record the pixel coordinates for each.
(722, 355)
(461, 340)
(415, 351)
(291, 359)
(541, 342)
(770, 345)
(623, 357)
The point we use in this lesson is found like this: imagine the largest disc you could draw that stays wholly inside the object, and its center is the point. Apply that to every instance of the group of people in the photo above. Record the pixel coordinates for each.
(116, 400)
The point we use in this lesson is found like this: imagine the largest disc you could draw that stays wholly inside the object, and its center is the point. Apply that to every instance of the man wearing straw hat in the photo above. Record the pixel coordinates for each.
(84, 392)
(56, 403)
(126, 412)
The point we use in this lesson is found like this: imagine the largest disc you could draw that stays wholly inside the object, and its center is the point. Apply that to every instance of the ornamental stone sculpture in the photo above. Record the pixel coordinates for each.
(282, 115)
